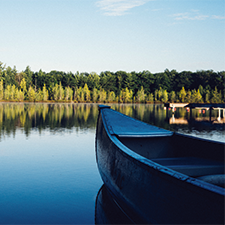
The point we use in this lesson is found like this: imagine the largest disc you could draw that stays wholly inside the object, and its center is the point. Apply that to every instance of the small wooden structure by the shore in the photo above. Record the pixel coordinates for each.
(175, 105)
(209, 106)
(195, 105)
(206, 105)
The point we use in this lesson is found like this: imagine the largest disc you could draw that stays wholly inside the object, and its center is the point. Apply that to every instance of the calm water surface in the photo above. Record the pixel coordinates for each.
(47, 157)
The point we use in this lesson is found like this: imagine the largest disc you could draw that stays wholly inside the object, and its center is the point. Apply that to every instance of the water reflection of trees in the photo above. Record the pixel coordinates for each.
(28, 116)
(155, 114)
(149, 113)
(58, 117)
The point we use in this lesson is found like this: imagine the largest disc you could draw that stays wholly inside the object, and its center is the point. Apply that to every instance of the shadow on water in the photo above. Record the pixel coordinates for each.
(107, 210)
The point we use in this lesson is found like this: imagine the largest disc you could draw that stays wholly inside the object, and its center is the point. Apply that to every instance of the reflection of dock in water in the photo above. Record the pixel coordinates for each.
(174, 120)
(196, 105)
(202, 107)
(214, 120)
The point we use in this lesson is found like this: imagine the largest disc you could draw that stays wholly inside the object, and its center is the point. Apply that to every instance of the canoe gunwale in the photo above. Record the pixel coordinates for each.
(138, 135)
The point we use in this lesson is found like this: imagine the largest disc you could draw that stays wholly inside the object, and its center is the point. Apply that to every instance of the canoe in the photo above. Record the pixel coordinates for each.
(157, 176)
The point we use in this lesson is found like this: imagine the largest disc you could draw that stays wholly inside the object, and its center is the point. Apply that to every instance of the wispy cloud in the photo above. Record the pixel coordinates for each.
(192, 15)
(218, 17)
(118, 7)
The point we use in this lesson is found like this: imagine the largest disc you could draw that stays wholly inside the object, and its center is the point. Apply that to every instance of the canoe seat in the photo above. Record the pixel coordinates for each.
(192, 166)
(217, 179)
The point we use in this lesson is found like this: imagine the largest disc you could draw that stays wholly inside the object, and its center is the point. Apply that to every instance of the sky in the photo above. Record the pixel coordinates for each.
(112, 35)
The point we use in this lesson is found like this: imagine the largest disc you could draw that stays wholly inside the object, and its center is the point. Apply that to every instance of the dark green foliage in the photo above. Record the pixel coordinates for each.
(209, 84)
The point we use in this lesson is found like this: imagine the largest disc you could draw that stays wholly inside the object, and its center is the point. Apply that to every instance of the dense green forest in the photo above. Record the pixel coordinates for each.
(123, 87)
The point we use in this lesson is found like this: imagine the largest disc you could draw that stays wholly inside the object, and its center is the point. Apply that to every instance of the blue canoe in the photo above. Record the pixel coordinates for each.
(158, 176)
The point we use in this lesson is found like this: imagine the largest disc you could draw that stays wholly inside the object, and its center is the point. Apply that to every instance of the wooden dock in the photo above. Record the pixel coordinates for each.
(209, 106)
(175, 105)
(195, 105)
(206, 105)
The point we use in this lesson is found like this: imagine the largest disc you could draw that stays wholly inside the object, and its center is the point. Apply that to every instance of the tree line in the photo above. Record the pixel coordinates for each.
(122, 87)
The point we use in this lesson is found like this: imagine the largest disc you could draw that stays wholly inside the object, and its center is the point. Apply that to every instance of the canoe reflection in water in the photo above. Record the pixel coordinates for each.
(107, 211)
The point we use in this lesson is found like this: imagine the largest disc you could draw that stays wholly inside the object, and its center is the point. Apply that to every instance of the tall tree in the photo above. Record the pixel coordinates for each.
(182, 95)
(28, 76)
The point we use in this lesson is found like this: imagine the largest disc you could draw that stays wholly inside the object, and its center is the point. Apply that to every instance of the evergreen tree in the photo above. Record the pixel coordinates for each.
(172, 96)
(126, 95)
(182, 95)
(164, 96)
(111, 96)
(45, 94)
(56, 92)
(23, 86)
(196, 97)
(68, 94)
(160, 93)
(13, 92)
(76, 95)
(216, 96)
(189, 96)
(150, 98)
(1, 90)
(28, 74)
(20, 95)
(7, 92)
(87, 94)
(102, 95)
(156, 95)
(31, 94)
(39, 95)
(140, 96)
(79, 96)
(207, 96)
(95, 95)
(61, 92)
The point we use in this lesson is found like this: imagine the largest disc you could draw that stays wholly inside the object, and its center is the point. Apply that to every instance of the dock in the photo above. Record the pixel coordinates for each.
(208, 106)
(195, 105)
(175, 105)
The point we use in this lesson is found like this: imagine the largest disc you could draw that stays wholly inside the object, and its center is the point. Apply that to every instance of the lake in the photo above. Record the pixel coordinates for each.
(48, 169)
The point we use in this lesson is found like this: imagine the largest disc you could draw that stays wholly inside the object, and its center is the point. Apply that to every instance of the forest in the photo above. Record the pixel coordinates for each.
(204, 86)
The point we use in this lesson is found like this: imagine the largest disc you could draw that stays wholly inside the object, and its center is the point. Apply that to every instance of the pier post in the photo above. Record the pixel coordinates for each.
(190, 113)
(167, 112)
(210, 114)
(219, 118)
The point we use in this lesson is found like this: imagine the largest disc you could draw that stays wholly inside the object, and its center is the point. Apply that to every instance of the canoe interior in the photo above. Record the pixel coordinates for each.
(190, 156)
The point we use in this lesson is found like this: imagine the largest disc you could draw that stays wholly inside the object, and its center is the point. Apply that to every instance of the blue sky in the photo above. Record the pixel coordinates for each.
(99, 35)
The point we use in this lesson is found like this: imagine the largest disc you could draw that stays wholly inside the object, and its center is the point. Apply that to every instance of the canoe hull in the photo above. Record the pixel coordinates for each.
(150, 194)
